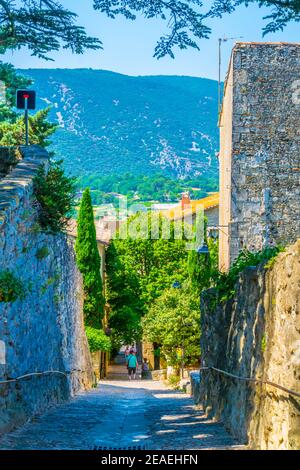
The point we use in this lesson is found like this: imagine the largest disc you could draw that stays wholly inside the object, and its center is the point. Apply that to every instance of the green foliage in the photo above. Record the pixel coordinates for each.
(201, 267)
(174, 381)
(11, 288)
(138, 271)
(97, 339)
(183, 18)
(46, 25)
(187, 22)
(88, 262)
(12, 133)
(12, 81)
(55, 194)
(42, 253)
(225, 282)
(145, 188)
(41, 26)
(173, 321)
(12, 125)
(126, 325)
(282, 12)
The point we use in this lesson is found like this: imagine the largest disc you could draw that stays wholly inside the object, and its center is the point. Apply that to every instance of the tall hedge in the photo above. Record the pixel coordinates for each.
(89, 263)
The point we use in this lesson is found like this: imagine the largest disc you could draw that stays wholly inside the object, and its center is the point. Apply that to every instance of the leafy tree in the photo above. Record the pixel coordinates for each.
(126, 325)
(45, 25)
(282, 11)
(173, 321)
(55, 193)
(202, 268)
(98, 341)
(138, 271)
(12, 126)
(89, 262)
(13, 133)
(224, 283)
(183, 16)
(42, 26)
(12, 81)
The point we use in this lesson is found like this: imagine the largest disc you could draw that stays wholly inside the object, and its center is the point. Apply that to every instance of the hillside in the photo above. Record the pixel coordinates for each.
(111, 124)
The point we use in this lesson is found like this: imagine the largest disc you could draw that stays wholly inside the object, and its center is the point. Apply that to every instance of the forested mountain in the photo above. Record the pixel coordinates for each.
(112, 124)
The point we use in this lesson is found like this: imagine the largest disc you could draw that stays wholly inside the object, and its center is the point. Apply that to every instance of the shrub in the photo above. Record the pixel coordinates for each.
(11, 288)
(55, 193)
(174, 381)
(225, 282)
(98, 341)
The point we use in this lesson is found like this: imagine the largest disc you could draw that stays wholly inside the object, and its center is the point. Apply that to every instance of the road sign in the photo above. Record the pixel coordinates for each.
(26, 99)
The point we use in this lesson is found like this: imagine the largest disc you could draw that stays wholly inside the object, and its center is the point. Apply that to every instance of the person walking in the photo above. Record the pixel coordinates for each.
(132, 365)
(127, 352)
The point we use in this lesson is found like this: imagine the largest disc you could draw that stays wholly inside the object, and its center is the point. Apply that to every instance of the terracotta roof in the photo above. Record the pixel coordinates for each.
(178, 213)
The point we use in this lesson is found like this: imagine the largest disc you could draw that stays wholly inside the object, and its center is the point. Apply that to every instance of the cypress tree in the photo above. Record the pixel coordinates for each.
(89, 263)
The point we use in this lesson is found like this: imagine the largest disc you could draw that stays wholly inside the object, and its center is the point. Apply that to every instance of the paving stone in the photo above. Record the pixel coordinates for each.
(122, 414)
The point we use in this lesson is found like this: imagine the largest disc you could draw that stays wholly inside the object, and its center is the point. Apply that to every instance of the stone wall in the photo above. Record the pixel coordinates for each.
(9, 156)
(260, 156)
(44, 331)
(257, 334)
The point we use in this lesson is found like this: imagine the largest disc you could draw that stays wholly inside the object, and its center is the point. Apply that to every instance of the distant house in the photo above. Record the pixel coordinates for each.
(103, 239)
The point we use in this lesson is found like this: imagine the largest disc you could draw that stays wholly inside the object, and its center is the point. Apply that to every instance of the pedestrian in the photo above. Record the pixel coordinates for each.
(127, 352)
(145, 368)
(132, 365)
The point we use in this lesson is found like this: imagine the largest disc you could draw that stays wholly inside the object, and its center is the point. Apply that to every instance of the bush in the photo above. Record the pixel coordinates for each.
(174, 381)
(11, 288)
(98, 341)
(55, 194)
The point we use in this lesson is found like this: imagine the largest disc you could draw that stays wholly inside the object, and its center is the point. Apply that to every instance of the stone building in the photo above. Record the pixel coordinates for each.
(260, 149)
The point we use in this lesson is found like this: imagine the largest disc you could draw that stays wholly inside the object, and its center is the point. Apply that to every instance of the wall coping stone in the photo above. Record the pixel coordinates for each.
(19, 182)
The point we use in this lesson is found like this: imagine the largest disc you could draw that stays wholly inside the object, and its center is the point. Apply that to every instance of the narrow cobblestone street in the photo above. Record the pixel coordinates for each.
(122, 414)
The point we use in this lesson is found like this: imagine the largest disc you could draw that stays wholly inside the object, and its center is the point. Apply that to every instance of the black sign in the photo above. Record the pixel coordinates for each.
(26, 97)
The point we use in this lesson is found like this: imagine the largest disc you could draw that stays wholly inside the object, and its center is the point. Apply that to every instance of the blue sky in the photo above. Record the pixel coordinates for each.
(129, 46)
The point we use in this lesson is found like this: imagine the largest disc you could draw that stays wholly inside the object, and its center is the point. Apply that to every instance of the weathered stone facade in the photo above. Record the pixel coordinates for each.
(44, 331)
(256, 335)
(260, 149)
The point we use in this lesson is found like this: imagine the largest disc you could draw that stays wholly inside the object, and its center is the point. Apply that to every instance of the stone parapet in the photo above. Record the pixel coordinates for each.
(255, 335)
(42, 330)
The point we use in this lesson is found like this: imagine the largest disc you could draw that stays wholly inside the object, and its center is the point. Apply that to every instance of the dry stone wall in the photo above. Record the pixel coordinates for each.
(44, 330)
(257, 335)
